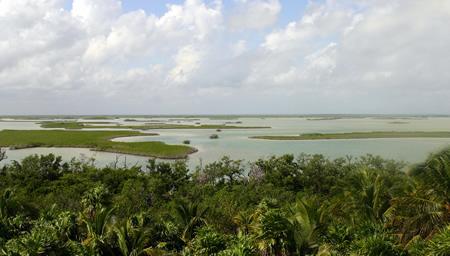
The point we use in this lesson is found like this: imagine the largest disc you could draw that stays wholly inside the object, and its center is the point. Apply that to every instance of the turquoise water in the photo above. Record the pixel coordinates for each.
(236, 144)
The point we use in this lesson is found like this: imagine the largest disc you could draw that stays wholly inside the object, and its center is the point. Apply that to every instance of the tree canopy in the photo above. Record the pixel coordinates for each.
(286, 205)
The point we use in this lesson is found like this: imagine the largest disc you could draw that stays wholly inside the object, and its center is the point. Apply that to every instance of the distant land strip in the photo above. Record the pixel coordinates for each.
(356, 135)
(84, 125)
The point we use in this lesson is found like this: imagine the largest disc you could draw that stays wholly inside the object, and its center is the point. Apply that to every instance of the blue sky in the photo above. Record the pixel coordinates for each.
(292, 9)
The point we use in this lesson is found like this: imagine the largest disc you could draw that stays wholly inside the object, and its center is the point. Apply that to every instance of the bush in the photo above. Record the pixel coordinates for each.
(377, 244)
(208, 242)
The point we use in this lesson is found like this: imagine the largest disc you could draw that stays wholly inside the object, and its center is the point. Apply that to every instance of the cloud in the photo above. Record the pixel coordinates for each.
(379, 56)
(254, 14)
(186, 61)
(339, 56)
(320, 22)
(95, 44)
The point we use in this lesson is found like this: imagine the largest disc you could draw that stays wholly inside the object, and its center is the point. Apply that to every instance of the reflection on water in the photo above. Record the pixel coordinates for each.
(236, 144)
(86, 155)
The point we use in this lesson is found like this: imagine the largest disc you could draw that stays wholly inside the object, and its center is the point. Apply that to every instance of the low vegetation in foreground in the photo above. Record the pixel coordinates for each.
(149, 126)
(356, 135)
(95, 140)
(308, 205)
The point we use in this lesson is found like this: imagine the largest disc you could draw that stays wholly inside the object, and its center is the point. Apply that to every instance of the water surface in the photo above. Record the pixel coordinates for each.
(236, 144)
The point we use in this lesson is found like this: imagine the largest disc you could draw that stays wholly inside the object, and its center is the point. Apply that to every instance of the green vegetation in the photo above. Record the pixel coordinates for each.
(330, 118)
(76, 125)
(357, 135)
(149, 126)
(39, 117)
(223, 117)
(281, 206)
(398, 122)
(100, 117)
(183, 119)
(95, 140)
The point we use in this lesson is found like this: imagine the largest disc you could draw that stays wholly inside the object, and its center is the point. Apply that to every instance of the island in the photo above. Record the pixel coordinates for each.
(149, 126)
(94, 140)
(355, 135)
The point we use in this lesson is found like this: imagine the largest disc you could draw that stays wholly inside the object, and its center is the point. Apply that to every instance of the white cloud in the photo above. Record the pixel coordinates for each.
(340, 56)
(97, 16)
(239, 48)
(320, 22)
(186, 62)
(254, 14)
(374, 57)
(193, 18)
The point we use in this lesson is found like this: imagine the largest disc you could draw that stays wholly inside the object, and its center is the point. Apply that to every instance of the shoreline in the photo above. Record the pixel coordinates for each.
(355, 135)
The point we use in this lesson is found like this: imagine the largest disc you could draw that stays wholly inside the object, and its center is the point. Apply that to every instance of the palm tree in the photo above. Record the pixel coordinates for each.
(245, 222)
(439, 245)
(191, 217)
(426, 208)
(274, 234)
(6, 204)
(363, 196)
(273, 230)
(418, 214)
(97, 228)
(304, 217)
(132, 236)
(434, 174)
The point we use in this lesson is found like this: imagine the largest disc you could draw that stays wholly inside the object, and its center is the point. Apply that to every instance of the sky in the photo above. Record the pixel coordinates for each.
(224, 57)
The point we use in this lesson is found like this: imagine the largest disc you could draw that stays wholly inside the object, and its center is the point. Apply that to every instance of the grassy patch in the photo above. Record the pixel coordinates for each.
(95, 140)
(223, 117)
(149, 126)
(77, 125)
(357, 135)
(100, 117)
(323, 118)
(398, 122)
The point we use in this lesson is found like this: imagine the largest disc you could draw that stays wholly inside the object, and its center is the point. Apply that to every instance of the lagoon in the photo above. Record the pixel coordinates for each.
(237, 144)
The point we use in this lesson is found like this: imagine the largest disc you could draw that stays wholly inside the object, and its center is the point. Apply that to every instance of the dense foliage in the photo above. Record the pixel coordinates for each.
(308, 205)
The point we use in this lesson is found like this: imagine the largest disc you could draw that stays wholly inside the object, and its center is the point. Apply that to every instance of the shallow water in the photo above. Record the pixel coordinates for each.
(236, 144)
(83, 154)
